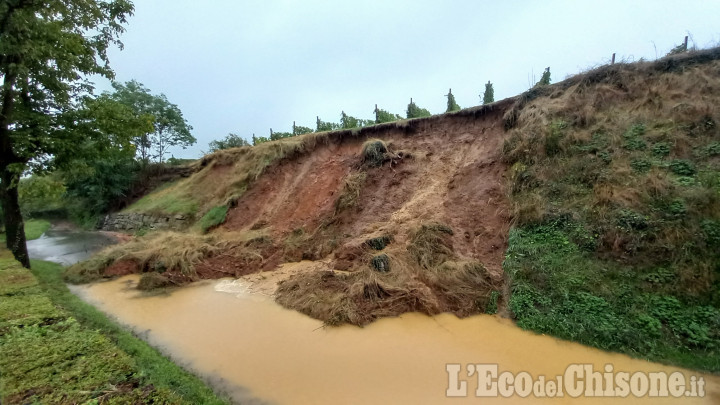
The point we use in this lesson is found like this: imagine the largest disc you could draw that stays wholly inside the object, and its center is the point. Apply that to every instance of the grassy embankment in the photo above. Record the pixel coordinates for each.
(616, 197)
(54, 348)
(34, 228)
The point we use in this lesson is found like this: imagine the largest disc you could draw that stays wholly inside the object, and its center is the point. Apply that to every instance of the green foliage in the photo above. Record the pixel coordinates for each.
(230, 141)
(492, 306)
(385, 116)
(640, 165)
(299, 130)
(213, 218)
(452, 105)
(169, 127)
(682, 167)
(349, 122)
(323, 126)
(94, 184)
(618, 259)
(489, 94)
(661, 149)
(274, 136)
(544, 79)
(257, 140)
(413, 111)
(633, 138)
(40, 194)
(48, 52)
(559, 289)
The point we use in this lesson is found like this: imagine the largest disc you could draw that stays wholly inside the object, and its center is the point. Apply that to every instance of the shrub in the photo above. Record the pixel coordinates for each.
(661, 149)
(682, 167)
(640, 165)
(413, 111)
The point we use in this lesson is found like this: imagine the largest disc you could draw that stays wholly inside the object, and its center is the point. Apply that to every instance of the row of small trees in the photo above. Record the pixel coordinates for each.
(348, 122)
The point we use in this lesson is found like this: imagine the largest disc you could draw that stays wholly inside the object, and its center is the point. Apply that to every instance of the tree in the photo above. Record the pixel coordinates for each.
(300, 130)
(47, 49)
(382, 116)
(413, 111)
(169, 126)
(322, 126)
(451, 104)
(230, 141)
(489, 95)
(545, 79)
(103, 167)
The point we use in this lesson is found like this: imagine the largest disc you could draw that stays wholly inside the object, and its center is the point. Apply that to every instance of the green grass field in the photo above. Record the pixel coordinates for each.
(54, 348)
(34, 228)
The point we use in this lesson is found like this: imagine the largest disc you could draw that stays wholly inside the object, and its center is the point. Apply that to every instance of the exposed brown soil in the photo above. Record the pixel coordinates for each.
(121, 268)
(321, 206)
(446, 171)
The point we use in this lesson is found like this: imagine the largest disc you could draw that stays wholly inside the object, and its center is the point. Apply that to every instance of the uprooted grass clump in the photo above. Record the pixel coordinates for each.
(350, 193)
(431, 245)
(172, 254)
(374, 152)
(395, 282)
(152, 281)
(615, 196)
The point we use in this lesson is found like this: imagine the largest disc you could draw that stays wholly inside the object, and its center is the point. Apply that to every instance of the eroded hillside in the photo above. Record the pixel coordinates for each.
(611, 180)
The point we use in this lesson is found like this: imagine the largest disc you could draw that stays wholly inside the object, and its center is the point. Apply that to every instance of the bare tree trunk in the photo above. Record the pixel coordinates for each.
(14, 226)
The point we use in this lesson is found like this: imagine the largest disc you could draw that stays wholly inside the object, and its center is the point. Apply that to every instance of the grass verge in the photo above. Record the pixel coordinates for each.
(54, 348)
(615, 187)
(34, 228)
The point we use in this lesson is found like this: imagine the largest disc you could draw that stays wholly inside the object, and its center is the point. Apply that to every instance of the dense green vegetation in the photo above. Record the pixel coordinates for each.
(617, 210)
(54, 348)
(489, 94)
(452, 105)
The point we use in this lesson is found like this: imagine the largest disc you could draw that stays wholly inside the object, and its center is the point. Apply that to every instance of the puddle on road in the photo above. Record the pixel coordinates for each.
(222, 329)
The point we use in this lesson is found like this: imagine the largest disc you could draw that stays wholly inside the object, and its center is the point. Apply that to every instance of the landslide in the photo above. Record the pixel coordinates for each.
(406, 216)
(588, 209)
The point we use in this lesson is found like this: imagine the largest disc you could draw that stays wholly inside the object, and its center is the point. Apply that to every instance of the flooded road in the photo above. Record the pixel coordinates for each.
(264, 353)
(67, 246)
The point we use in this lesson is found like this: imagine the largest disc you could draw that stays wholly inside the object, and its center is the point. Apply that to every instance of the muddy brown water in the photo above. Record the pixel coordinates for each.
(259, 352)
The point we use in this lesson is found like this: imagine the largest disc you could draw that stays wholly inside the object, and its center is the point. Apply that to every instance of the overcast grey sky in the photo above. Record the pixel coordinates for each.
(248, 66)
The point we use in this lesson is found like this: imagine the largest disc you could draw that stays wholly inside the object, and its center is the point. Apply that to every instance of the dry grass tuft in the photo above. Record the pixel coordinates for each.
(351, 191)
(167, 252)
(431, 245)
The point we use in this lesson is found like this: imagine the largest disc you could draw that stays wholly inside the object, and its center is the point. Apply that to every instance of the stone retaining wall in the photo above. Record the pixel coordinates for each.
(135, 221)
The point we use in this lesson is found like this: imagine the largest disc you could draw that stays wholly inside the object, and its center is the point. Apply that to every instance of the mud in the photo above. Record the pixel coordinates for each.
(244, 343)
